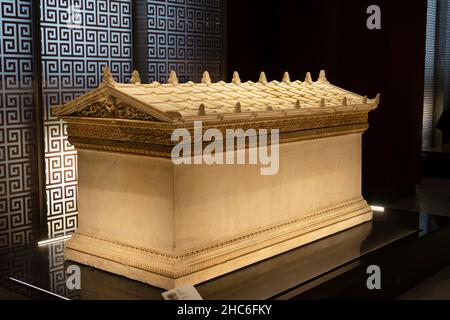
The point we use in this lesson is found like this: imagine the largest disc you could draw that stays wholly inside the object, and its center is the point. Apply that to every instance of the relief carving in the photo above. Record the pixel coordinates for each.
(108, 108)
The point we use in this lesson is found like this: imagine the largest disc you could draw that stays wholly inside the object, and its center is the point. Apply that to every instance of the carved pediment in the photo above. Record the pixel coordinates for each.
(110, 108)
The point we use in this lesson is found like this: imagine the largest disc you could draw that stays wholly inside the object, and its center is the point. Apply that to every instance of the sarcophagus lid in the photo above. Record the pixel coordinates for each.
(139, 118)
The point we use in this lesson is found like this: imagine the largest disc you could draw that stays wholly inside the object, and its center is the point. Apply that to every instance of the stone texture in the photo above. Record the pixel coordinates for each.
(144, 217)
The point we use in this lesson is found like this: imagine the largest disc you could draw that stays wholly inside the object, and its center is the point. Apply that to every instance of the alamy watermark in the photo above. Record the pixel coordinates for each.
(374, 280)
(73, 281)
(374, 19)
(229, 150)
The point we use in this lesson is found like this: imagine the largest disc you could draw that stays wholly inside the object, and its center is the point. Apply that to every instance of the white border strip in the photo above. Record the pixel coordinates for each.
(50, 241)
(39, 289)
(377, 208)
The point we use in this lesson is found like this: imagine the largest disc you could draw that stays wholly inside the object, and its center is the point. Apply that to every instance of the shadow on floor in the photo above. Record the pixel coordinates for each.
(436, 287)
(432, 197)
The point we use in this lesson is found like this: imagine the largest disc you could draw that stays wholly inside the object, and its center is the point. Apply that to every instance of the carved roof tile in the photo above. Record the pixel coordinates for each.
(159, 100)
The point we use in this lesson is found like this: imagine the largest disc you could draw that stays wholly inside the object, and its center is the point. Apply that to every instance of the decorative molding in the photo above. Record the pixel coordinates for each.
(164, 151)
(178, 264)
(154, 138)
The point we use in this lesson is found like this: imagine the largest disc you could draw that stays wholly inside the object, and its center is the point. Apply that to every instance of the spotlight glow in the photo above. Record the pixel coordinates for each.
(54, 240)
(377, 208)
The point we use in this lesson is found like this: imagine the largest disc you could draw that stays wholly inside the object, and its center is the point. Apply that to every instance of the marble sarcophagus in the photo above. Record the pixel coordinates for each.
(149, 218)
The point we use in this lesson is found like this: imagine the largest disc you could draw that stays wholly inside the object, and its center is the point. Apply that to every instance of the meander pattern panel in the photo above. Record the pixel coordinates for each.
(79, 38)
(17, 115)
(430, 58)
(186, 36)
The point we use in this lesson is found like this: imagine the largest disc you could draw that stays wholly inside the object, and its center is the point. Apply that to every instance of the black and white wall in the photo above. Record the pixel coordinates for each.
(437, 68)
(79, 37)
(17, 128)
(186, 36)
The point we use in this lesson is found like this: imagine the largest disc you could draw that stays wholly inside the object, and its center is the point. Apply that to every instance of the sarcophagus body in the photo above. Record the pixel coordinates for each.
(150, 218)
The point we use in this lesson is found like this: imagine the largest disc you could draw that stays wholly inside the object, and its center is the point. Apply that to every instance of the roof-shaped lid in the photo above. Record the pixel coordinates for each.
(190, 101)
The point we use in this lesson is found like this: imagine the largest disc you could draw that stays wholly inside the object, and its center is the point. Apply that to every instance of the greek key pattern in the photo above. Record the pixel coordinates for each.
(185, 36)
(17, 140)
(79, 38)
(57, 272)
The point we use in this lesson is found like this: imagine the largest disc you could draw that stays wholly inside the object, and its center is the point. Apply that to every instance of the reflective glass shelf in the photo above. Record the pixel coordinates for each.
(295, 274)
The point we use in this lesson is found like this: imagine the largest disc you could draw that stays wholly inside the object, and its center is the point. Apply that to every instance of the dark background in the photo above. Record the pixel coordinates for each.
(300, 36)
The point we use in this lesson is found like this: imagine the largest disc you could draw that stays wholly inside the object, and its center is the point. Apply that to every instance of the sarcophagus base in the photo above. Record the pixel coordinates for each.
(151, 267)
(168, 225)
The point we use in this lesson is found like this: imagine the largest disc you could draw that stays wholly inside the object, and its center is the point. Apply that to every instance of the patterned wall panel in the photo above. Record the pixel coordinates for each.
(79, 37)
(17, 162)
(430, 58)
(437, 70)
(186, 36)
